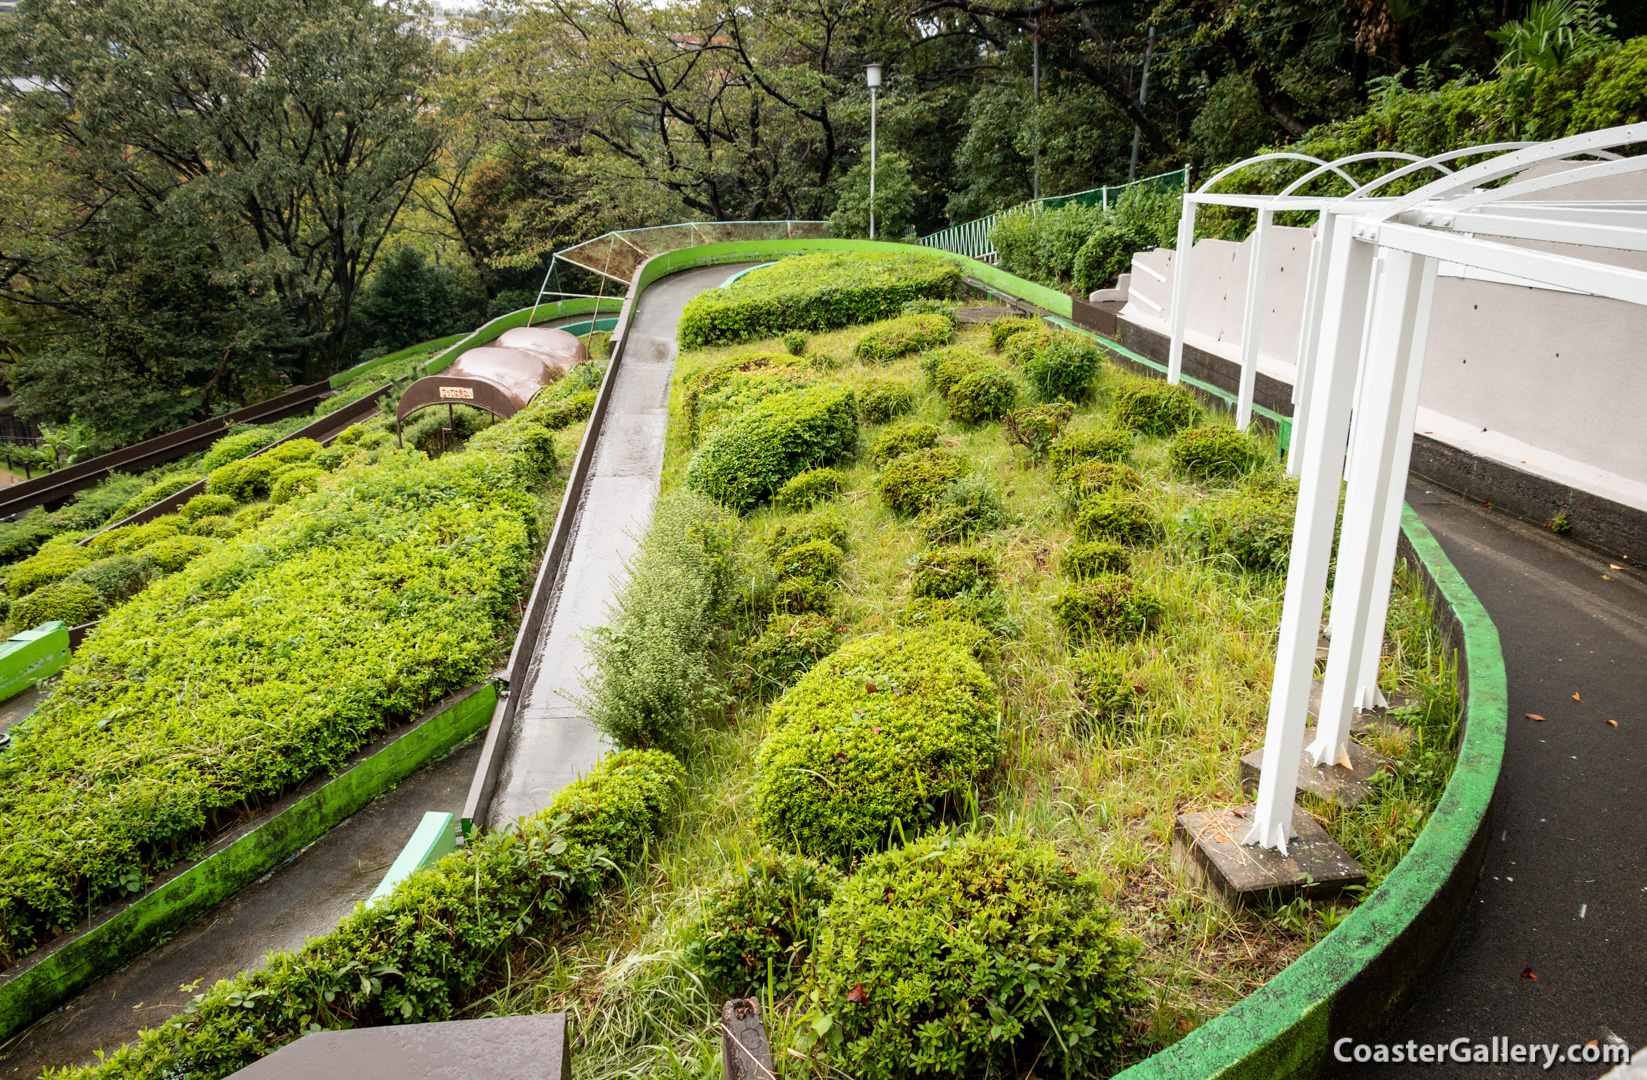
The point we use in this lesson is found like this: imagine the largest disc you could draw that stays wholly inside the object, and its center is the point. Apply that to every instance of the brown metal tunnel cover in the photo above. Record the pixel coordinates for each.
(501, 378)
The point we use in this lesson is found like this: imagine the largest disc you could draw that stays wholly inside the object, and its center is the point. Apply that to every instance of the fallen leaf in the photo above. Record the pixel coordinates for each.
(1578, 699)
(869, 688)
(1593, 1042)
(1221, 838)
(876, 730)
(1526, 976)
(857, 995)
(1535, 716)
(1613, 722)
(1614, 566)
(1604, 577)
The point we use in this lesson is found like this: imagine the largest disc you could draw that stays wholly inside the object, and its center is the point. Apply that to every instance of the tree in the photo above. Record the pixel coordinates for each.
(894, 199)
(410, 299)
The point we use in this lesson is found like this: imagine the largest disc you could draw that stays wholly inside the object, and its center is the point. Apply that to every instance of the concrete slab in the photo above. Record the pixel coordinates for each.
(496, 1048)
(1207, 846)
(1333, 783)
(16, 709)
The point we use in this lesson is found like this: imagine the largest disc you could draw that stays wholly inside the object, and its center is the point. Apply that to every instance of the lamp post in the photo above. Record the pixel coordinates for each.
(872, 75)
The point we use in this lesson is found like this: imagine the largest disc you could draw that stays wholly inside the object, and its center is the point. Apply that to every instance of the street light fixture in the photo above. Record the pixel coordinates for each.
(872, 75)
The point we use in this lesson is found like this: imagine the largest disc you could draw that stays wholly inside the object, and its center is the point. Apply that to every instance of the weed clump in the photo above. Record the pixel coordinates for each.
(912, 482)
(902, 336)
(1078, 483)
(788, 647)
(968, 508)
(1213, 453)
(1116, 607)
(1036, 427)
(1118, 516)
(810, 488)
(901, 439)
(1157, 409)
(1060, 364)
(984, 395)
(1252, 528)
(1080, 562)
(794, 343)
(882, 400)
(815, 560)
(791, 534)
(1104, 687)
(762, 923)
(950, 572)
(1101, 444)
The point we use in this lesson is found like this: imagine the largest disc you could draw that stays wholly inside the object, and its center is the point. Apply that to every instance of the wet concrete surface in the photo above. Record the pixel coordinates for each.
(1564, 893)
(553, 741)
(305, 897)
(16, 709)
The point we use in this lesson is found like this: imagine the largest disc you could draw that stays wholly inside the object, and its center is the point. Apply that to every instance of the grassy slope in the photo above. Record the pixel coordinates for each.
(1108, 802)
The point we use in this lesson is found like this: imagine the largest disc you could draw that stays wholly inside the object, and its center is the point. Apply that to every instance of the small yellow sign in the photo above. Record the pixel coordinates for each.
(460, 393)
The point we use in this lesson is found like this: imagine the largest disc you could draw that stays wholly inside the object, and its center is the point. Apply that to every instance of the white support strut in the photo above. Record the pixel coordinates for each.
(1180, 290)
(1252, 322)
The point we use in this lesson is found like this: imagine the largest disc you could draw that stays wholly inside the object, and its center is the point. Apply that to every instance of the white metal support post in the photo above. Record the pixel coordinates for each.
(1348, 276)
(1309, 339)
(1180, 289)
(1403, 301)
(1252, 321)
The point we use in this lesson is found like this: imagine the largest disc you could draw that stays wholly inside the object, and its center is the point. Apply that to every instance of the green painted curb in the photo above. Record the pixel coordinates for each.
(42, 981)
(32, 655)
(435, 835)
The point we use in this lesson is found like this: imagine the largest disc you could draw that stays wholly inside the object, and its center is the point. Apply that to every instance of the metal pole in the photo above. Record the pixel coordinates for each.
(1037, 113)
(1180, 290)
(1143, 96)
(1252, 323)
(872, 163)
(1308, 334)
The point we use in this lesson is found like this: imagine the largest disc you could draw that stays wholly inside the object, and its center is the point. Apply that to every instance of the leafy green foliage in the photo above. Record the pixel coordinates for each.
(885, 733)
(1104, 687)
(815, 560)
(882, 400)
(134, 537)
(251, 478)
(1116, 515)
(947, 572)
(117, 578)
(946, 308)
(814, 292)
(972, 957)
(1100, 444)
(902, 439)
(1214, 453)
(72, 602)
(1253, 528)
(153, 493)
(91, 508)
(1036, 427)
(1115, 607)
(902, 336)
(713, 380)
(809, 488)
(1004, 330)
(757, 929)
(1081, 561)
(946, 367)
(823, 525)
(1080, 482)
(52, 563)
(383, 964)
(231, 448)
(967, 508)
(794, 342)
(911, 482)
(748, 458)
(204, 505)
(1144, 218)
(983, 396)
(175, 552)
(290, 483)
(1157, 409)
(1061, 365)
(651, 673)
(559, 413)
(790, 645)
(803, 595)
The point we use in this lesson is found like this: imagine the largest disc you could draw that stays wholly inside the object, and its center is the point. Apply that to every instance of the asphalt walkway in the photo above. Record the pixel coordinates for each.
(1554, 949)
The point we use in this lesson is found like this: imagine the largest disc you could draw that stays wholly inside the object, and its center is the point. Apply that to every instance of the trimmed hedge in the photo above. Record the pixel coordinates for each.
(887, 732)
(1116, 515)
(52, 563)
(902, 439)
(978, 956)
(757, 929)
(134, 537)
(175, 552)
(912, 482)
(250, 478)
(946, 367)
(792, 534)
(259, 665)
(810, 488)
(713, 376)
(814, 292)
(1252, 529)
(1116, 607)
(746, 460)
(887, 341)
(204, 505)
(1214, 453)
(1078, 483)
(983, 396)
(1157, 409)
(430, 949)
(117, 578)
(72, 602)
(740, 391)
(815, 560)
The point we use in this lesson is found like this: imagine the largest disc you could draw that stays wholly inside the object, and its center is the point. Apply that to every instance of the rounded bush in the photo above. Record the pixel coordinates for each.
(1078, 483)
(885, 733)
(1117, 516)
(1157, 409)
(912, 482)
(968, 508)
(1092, 560)
(1022, 346)
(71, 602)
(293, 450)
(1064, 367)
(1104, 687)
(153, 493)
(1003, 330)
(117, 578)
(175, 552)
(901, 439)
(48, 565)
(331, 457)
(134, 537)
(234, 447)
(558, 413)
(803, 595)
(247, 517)
(1213, 453)
(206, 505)
(809, 488)
(757, 375)
(291, 483)
(245, 480)
(823, 525)
(815, 560)
(1116, 607)
(1253, 529)
(949, 572)
(972, 957)
(881, 400)
(946, 367)
(982, 396)
(1099, 444)
(1036, 427)
(789, 646)
(794, 343)
(762, 924)
(901, 336)
(208, 525)
(744, 461)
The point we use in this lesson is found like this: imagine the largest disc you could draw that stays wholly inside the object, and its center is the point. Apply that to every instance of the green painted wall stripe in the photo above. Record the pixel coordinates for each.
(32, 655)
(40, 983)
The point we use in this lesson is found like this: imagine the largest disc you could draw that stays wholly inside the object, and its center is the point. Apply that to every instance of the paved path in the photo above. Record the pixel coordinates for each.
(553, 741)
(1565, 888)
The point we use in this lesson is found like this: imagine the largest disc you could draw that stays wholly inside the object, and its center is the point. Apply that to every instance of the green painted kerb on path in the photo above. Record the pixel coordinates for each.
(32, 655)
(63, 968)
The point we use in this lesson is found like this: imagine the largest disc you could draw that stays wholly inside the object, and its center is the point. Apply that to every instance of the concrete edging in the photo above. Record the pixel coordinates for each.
(43, 980)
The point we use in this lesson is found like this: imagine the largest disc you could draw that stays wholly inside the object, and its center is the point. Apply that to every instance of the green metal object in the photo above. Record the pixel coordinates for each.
(33, 655)
(435, 836)
(43, 981)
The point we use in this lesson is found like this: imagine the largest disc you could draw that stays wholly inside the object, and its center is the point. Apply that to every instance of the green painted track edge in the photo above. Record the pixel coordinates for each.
(37, 985)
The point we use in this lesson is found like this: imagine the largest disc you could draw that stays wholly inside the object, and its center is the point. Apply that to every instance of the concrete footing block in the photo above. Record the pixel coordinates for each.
(1346, 786)
(1207, 846)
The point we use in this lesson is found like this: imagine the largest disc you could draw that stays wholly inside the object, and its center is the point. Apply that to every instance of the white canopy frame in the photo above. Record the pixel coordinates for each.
(1380, 270)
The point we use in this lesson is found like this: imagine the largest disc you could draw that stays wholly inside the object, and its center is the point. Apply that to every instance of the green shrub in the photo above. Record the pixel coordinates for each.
(881, 400)
(803, 595)
(1100, 444)
(744, 461)
(1078, 483)
(1036, 427)
(713, 377)
(1041, 245)
(1118, 516)
(912, 482)
(249, 478)
(90, 509)
(741, 391)
(794, 343)
(1214, 453)
(1003, 330)
(234, 447)
(968, 508)
(789, 646)
(558, 413)
(1081, 561)
(1157, 409)
(384, 965)
(901, 336)
(134, 537)
(1252, 528)
(986, 610)
(246, 517)
(884, 733)
(52, 563)
(1063, 367)
(206, 505)
(1104, 687)
(208, 525)
(331, 457)
(1114, 607)
(175, 552)
(72, 602)
(946, 308)
(651, 671)
(982, 396)
(757, 928)
(948, 572)
(901, 439)
(823, 525)
(289, 484)
(946, 367)
(810, 488)
(977, 956)
(153, 493)
(117, 578)
(293, 450)
(814, 292)
(815, 560)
